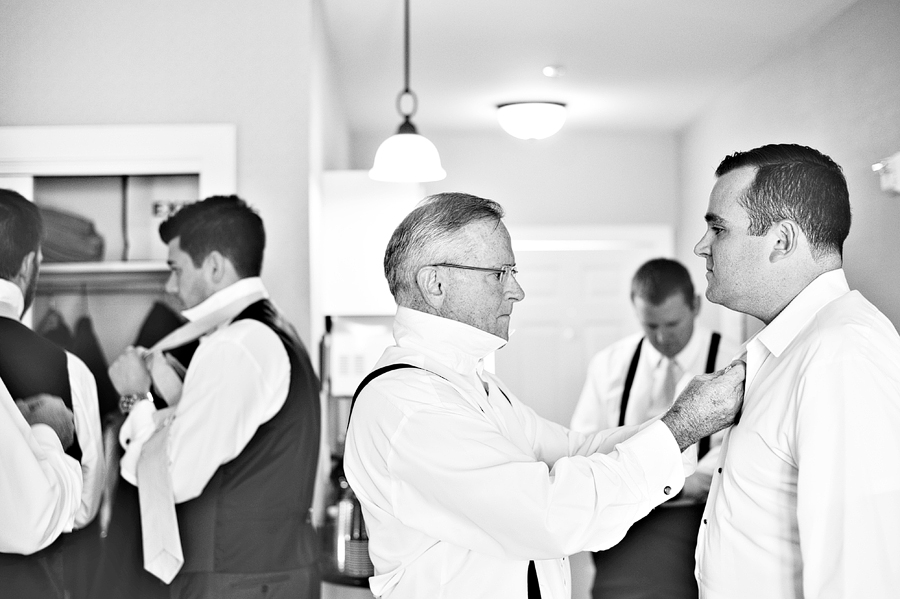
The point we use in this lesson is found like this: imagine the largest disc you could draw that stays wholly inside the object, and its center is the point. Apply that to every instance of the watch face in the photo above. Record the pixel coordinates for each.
(126, 402)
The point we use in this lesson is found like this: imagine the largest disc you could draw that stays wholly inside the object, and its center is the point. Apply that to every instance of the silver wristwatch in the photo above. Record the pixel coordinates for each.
(126, 402)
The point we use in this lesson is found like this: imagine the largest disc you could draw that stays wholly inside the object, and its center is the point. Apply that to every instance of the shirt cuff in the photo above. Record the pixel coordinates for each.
(47, 437)
(664, 464)
(136, 429)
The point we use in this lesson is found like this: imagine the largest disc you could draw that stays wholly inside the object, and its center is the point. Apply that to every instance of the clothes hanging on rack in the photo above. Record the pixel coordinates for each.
(86, 346)
(53, 327)
(160, 321)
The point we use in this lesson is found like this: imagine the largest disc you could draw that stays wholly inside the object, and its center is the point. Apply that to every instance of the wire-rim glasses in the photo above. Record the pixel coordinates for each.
(504, 271)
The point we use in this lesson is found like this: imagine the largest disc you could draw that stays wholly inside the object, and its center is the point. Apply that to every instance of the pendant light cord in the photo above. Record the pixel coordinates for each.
(406, 42)
(407, 125)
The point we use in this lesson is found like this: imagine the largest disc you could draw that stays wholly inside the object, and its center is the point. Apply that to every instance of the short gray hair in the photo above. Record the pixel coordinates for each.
(422, 236)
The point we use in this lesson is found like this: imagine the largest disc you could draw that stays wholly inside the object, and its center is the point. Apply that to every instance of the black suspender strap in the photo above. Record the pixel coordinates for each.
(629, 381)
(713, 353)
(703, 446)
(372, 376)
(534, 589)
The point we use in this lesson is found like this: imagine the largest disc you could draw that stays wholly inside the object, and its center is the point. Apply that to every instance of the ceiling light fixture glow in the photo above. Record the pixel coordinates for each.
(407, 156)
(531, 120)
(553, 71)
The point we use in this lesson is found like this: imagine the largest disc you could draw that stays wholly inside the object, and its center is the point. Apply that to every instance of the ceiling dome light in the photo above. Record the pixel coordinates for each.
(531, 120)
(554, 71)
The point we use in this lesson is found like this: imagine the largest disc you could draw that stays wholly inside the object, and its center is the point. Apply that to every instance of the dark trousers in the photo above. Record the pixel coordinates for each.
(655, 560)
(302, 583)
(38, 576)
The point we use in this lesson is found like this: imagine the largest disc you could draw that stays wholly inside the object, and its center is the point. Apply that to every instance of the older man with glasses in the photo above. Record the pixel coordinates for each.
(467, 492)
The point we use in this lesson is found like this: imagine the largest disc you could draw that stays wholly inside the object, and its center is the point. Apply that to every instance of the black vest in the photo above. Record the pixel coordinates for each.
(253, 515)
(30, 364)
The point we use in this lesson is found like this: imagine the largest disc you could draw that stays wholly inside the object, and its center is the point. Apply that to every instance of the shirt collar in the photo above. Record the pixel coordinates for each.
(823, 290)
(688, 353)
(223, 297)
(460, 346)
(12, 302)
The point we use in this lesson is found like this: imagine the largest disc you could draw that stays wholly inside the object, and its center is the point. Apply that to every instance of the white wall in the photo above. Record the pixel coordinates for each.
(204, 61)
(574, 178)
(839, 92)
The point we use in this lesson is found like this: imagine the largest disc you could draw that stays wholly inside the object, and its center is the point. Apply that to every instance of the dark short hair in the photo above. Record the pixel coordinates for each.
(21, 231)
(797, 183)
(225, 224)
(658, 279)
(422, 235)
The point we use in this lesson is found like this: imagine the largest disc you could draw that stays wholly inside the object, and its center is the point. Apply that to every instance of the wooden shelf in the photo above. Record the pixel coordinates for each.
(138, 276)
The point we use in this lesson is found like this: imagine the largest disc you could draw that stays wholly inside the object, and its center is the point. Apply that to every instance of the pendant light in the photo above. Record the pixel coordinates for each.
(407, 156)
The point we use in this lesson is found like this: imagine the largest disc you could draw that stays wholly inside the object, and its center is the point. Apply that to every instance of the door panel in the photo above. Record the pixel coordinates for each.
(577, 285)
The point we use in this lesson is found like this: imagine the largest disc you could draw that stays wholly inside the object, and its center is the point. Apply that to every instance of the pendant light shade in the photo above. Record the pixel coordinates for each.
(531, 120)
(407, 156)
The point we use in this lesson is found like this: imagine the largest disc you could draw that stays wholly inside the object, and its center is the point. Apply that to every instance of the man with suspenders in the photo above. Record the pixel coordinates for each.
(465, 490)
(635, 380)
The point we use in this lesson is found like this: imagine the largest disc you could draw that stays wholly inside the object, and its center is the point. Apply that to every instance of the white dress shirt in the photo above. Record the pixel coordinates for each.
(85, 407)
(600, 401)
(40, 486)
(461, 487)
(808, 500)
(237, 380)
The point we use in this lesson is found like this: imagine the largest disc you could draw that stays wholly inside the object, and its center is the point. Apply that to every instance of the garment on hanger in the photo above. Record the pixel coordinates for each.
(160, 321)
(86, 346)
(53, 327)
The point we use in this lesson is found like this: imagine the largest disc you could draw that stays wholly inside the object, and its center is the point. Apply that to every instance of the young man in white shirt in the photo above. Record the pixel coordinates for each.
(243, 440)
(805, 500)
(29, 366)
(632, 381)
(467, 492)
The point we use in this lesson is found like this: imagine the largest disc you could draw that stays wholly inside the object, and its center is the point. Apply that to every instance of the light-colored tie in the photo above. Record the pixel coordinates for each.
(163, 556)
(664, 389)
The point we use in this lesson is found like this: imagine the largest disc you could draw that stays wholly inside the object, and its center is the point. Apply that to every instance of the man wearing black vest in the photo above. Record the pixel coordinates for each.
(242, 441)
(632, 381)
(33, 366)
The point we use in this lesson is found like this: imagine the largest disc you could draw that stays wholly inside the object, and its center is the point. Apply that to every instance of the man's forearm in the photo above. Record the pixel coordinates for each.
(709, 403)
(683, 427)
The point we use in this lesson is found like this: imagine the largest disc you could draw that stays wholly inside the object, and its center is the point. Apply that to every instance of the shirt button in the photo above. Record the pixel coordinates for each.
(720, 471)
(667, 490)
(704, 520)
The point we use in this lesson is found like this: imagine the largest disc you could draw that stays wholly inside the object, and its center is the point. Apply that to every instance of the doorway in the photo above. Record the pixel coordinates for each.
(577, 284)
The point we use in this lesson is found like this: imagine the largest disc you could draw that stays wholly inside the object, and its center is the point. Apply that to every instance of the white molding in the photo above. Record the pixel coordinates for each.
(591, 237)
(208, 150)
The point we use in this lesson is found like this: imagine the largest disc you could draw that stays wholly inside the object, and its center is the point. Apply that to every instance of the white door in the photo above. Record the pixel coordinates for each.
(577, 286)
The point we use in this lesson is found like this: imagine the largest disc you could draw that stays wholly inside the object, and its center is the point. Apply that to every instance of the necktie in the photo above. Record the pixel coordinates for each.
(163, 556)
(664, 390)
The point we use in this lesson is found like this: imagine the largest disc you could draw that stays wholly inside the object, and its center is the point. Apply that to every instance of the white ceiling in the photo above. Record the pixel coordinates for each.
(646, 64)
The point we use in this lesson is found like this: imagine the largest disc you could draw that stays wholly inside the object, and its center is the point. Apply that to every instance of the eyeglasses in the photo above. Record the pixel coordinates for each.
(504, 272)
